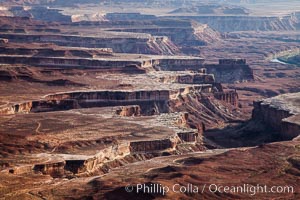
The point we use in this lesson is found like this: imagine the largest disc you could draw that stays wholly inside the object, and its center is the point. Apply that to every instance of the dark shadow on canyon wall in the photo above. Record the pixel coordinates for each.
(245, 134)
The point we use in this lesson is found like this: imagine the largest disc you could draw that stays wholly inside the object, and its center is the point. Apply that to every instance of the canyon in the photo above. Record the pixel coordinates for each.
(99, 96)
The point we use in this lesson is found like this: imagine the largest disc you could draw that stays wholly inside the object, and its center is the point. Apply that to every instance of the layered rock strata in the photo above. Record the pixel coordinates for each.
(150, 102)
(230, 97)
(280, 113)
(127, 111)
(120, 43)
(248, 23)
(192, 78)
(230, 70)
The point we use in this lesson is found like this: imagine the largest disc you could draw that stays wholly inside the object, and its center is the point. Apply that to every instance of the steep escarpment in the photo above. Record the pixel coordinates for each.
(227, 71)
(55, 51)
(127, 111)
(184, 33)
(211, 10)
(110, 64)
(54, 169)
(150, 101)
(36, 12)
(116, 155)
(230, 70)
(280, 113)
(119, 42)
(52, 152)
(189, 78)
(205, 108)
(205, 33)
(248, 23)
(161, 45)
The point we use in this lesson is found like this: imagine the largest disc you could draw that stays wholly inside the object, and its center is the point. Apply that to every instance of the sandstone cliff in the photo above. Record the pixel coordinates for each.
(280, 113)
(248, 23)
(120, 42)
(230, 71)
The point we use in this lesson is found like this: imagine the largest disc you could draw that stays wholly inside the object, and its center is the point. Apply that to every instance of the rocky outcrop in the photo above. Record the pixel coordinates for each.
(113, 95)
(211, 10)
(106, 155)
(227, 71)
(88, 17)
(128, 111)
(161, 46)
(150, 102)
(248, 23)
(105, 65)
(182, 32)
(56, 52)
(120, 43)
(153, 145)
(206, 34)
(40, 106)
(128, 16)
(205, 111)
(186, 122)
(122, 150)
(194, 78)
(230, 97)
(188, 136)
(17, 170)
(17, 108)
(54, 169)
(280, 113)
(178, 64)
(38, 13)
(230, 71)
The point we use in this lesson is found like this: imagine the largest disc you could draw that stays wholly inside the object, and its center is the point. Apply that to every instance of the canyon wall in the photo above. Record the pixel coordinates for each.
(54, 169)
(248, 23)
(153, 145)
(183, 33)
(36, 12)
(188, 137)
(230, 97)
(59, 52)
(68, 62)
(150, 102)
(227, 71)
(178, 64)
(195, 78)
(164, 63)
(280, 113)
(124, 43)
(80, 165)
(123, 150)
(230, 71)
(128, 111)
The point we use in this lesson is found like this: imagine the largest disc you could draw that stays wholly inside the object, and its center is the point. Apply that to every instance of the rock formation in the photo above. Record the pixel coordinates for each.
(139, 43)
(127, 111)
(94, 99)
(230, 70)
(248, 23)
(280, 113)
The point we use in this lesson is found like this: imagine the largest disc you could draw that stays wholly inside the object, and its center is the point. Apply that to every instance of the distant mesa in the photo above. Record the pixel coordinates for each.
(212, 10)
